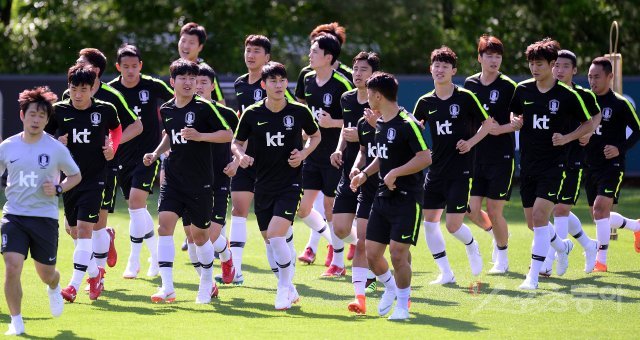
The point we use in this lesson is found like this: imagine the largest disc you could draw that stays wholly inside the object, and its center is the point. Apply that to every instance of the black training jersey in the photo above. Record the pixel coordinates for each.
(397, 142)
(495, 99)
(221, 152)
(352, 111)
(327, 98)
(575, 152)
(449, 121)
(189, 165)
(275, 135)
(617, 114)
(367, 139)
(543, 115)
(86, 131)
(342, 69)
(144, 99)
(248, 94)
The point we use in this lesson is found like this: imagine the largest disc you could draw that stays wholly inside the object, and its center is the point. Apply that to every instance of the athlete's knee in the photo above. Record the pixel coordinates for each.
(600, 211)
(495, 213)
(453, 227)
(341, 231)
(47, 275)
(561, 210)
(304, 211)
(13, 268)
(399, 256)
(240, 211)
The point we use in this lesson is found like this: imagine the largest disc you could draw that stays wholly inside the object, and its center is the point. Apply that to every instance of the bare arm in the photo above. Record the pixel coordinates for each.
(131, 131)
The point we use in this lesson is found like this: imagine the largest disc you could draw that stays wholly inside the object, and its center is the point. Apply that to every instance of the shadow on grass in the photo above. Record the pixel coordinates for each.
(455, 325)
(258, 270)
(65, 334)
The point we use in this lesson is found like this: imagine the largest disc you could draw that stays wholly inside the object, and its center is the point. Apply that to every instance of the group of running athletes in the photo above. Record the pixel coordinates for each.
(345, 143)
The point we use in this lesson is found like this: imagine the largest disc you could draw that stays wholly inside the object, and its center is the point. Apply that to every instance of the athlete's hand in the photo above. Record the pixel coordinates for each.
(190, 134)
(246, 161)
(611, 151)
(463, 146)
(357, 181)
(517, 122)
(324, 119)
(63, 138)
(559, 139)
(584, 140)
(350, 134)
(149, 158)
(390, 180)
(336, 159)
(49, 188)
(354, 172)
(493, 127)
(231, 168)
(296, 158)
(107, 149)
(371, 116)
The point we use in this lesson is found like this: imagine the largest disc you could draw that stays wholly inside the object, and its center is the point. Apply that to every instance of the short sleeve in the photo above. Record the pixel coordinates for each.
(163, 90)
(420, 110)
(243, 131)
(308, 122)
(414, 135)
(113, 121)
(66, 163)
(300, 84)
(478, 113)
(578, 108)
(516, 105)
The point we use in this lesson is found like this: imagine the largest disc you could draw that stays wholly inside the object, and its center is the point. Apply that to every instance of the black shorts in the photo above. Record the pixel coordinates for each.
(40, 234)
(605, 181)
(397, 217)
(282, 204)
(346, 201)
(366, 194)
(82, 205)
(220, 204)
(244, 180)
(197, 205)
(445, 192)
(110, 186)
(493, 180)
(138, 176)
(324, 179)
(570, 191)
(546, 185)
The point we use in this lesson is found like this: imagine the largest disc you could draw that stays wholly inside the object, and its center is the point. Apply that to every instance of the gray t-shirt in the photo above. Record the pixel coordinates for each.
(29, 166)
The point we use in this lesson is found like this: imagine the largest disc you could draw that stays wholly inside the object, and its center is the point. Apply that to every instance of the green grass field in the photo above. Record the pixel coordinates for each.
(576, 305)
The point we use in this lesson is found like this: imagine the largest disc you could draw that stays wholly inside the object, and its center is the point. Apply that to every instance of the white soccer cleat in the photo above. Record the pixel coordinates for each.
(563, 258)
(162, 296)
(494, 251)
(475, 260)
(56, 302)
(443, 279)
(153, 270)
(282, 299)
(399, 314)
(528, 284)
(386, 302)
(590, 256)
(499, 268)
(13, 330)
(294, 297)
(204, 297)
(131, 271)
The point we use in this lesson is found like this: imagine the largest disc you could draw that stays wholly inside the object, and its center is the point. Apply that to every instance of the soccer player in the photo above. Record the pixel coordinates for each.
(93, 134)
(275, 126)
(353, 104)
(605, 155)
(547, 109)
(323, 88)
(564, 69)
(190, 125)
(452, 114)
(143, 93)
(395, 214)
(494, 161)
(30, 215)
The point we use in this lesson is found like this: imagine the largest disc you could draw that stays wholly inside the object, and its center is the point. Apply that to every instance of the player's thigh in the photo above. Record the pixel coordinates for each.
(306, 204)
(457, 193)
(406, 219)
(434, 193)
(263, 208)
(44, 240)
(220, 205)
(379, 225)
(330, 179)
(15, 239)
(241, 202)
(110, 188)
(200, 205)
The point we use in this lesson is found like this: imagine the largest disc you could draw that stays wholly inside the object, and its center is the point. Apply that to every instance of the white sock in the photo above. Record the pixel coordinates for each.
(166, 256)
(556, 242)
(81, 262)
(370, 275)
(315, 221)
(237, 240)
(575, 229)
(137, 228)
(100, 241)
(282, 257)
(338, 248)
(619, 221)
(603, 232)
(150, 238)
(292, 250)
(539, 249)
(388, 281)
(435, 242)
(502, 256)
(314, 240)
(205, 256)
(193, 257)
(220, 246)
(561, 224)
(403, 295)
(359, 279)
(490, 232)
(223, 231)
(464, 235)
(17, 322)
(352, 238)
(272, 261)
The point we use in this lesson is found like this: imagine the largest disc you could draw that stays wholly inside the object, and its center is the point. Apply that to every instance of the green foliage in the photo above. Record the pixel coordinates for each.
(44, 36)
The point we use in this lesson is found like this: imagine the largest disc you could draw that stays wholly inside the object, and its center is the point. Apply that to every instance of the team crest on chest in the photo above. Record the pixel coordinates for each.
(493, 96)
(554, 106)
(190, 118)
(454, 110)
(607, 113)
(288, 122)
(96, 118)
(144, 96)
(327, 99)
(257, 95)
(391, 135)
(43, 160)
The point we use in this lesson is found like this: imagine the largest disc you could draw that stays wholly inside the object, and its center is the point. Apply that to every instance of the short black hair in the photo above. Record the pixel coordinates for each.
(182, 67)
(207, 71)
(194, 29)
(127, 50)
(260, 41)
(329, 44)
(273, 69)
(445, 55)
(81, 74)
(604, 63)
(95, 58)
(42, 96)
(384, 83)
(372, 59)
(545, 49)
(568, 55)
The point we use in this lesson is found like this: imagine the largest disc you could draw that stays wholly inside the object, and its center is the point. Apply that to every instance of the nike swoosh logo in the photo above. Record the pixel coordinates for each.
(346, 110)
(168, 119)
(307, 94)
(551, 193)
(92, 216)
(14, 160)
(208, 223)
(52, 258)
(365, 132)
(262, 123)
(68, 119)
(218, 217)
(146, 184)
(460, 207)
(608, 191)
(404, 237)
(239, 93)
(503, 194)
(527, 103)
(105, 202)
(288, 213)
(566, 198)
(432, 112)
